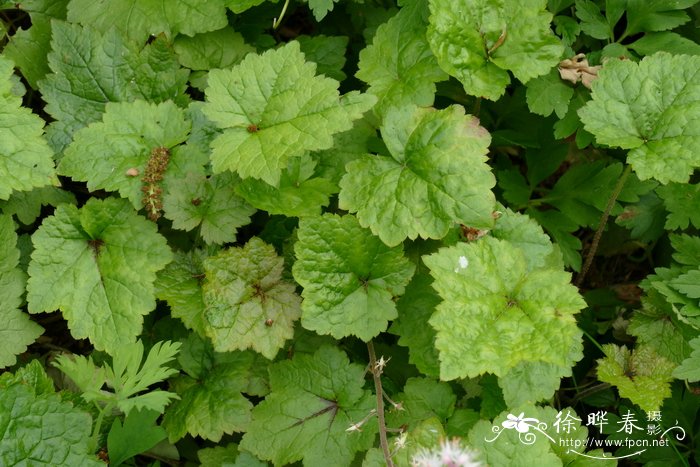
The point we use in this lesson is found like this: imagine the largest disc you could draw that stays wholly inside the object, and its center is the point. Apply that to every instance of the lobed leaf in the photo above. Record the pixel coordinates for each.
(97, 264)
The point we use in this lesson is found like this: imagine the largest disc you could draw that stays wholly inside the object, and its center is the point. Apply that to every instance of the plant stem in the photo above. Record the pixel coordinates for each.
(98, 425)
(376, 373)
(603, 222)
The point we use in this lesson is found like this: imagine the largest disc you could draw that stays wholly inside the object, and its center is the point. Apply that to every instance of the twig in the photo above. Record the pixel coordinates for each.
(376, 372)
(603, 222)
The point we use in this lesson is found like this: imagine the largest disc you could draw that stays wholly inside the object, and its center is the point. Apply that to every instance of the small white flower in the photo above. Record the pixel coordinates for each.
(380, 364)
(450, 454)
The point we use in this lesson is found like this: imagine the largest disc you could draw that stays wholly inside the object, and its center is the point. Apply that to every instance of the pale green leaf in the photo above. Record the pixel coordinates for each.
(17, 330)
(525, 233)
(314, 400)
(299, 193)
(640, 375)
(435, 177)
(209, 203)
(138, 19)
(26, 161)
(478, 42)
(399, 66)
(650, 111)
(349, 277)
(493, 306)
(91, 69)
(97, 265)
(247, 304)
(273, 107)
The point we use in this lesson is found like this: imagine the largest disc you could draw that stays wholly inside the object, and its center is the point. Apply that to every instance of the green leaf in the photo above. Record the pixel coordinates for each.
(28, 47)
(415, 308)
(531, 382)
(138, 434)
(299, 193)
(97, 265)
(422, 399)
(582, 193)
(91, 69)
(180, 285)
(239, 6)
(349, 277)
(493, 306)
(228, 456)
(689, 369)
(687, 249)
(273, 107)
(26, 161)
(560, 228)
(26, 205)
(347, 146)
(549, 93)
(17, 330)
(656, 326)
(399, 66)
(681, 201)
(209, 203)
(217, 49)
(314, 400)
(657, 15)
(138, 19)
(669, 42)
(640, 374)
(655, 114)
(118, 153)
(43, 430)
(592, 21)
(126, 375)
(321, 8)
(478, 42)
(211, 403)
(328, 52)
(525, 233)
(248, 305)
(644, 219)
(436, 175)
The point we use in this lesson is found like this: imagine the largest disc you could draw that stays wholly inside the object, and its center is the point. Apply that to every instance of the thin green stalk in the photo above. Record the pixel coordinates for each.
(98, 424)
(603, 222)
(376, 375)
